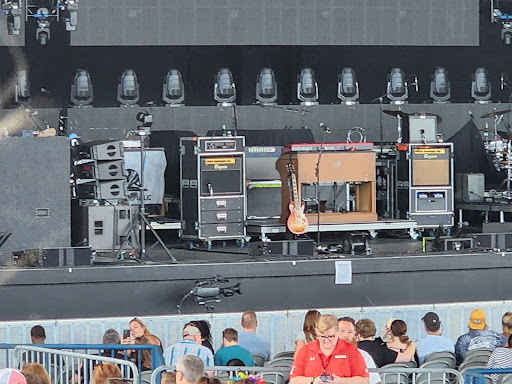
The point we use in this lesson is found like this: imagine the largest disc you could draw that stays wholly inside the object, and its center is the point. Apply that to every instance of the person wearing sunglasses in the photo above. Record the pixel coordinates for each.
(329, 359)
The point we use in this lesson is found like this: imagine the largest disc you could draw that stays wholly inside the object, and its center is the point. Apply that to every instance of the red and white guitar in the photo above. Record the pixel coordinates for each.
(297, 222)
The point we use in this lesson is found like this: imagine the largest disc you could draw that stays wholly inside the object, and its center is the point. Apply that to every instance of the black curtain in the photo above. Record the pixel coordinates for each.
(470, 155)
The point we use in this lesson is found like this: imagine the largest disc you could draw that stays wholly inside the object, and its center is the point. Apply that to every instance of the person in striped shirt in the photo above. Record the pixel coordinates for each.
(501, 357)
(190, 345)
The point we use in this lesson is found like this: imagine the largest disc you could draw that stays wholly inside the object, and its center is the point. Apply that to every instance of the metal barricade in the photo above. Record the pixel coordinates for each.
(271, 375)
(481, 376)
(419, 375)
(156, 351)
(70, 367)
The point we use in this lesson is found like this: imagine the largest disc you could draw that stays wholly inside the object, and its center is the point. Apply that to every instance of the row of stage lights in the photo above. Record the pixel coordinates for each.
(224, 90)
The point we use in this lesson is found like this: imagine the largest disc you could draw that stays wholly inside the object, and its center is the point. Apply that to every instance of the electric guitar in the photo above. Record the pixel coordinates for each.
(297, 222)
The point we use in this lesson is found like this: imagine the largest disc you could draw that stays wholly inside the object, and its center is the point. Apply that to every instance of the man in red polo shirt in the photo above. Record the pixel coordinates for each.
(329, 359)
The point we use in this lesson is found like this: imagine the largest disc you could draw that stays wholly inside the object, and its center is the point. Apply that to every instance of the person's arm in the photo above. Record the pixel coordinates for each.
(408, 354)
(298, 345)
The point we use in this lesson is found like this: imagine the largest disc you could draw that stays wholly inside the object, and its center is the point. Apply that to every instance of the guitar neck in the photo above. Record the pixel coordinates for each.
(295, 193)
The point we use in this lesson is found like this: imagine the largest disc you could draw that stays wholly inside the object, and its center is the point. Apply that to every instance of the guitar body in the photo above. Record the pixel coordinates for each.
(297, 222)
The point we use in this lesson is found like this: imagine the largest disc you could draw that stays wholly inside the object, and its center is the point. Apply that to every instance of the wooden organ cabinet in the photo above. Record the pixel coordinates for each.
(346, 190)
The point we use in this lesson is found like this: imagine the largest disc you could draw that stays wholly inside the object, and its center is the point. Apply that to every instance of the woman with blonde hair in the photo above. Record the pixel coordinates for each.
(138, 329)
(105, 371)
(308, 333)
(506, 321)
(37, 369)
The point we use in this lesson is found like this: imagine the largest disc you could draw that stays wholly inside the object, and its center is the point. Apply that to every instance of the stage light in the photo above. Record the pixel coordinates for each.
(397, 91)
(481, 86)
(307, 88)
(266, 86)
(128, 88)
(440, 88)
(22, 88)
(71, 18)
(81, 92)
(12, 10)
(173, 92)
(348, 87)
(224, 90)
(43, 25)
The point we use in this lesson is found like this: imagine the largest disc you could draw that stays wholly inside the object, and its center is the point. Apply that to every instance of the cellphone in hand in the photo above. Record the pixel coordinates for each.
(126, 333)
(325, 378)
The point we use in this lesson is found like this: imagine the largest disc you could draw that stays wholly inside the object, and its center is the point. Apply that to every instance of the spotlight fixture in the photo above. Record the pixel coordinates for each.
(440, 88)
(22, 88)
(266, 87)
(397, 90)
(173, 90)
(43, 25)
(481, 86)
(128, 88)
(348, 87)
(71, 14)
(497, 16)
(224, 90)
(12, 9)
(81, 93)
(307, 87)
(210, 291)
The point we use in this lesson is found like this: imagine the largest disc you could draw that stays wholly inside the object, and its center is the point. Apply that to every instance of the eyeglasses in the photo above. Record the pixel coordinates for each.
(324, 338)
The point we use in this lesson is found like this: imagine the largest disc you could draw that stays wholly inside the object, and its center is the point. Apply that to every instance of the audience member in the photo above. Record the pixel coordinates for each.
(231, 350)
(248, 338)
(111, 337)
(138, 329)
(105, 371)
(36, 369)
(37, 334)
(145, 354)
(479, 336)
(190, 345)
(308, 334)
(189, 369)
(506, 322)
(397, 339)
(206, 336)
(329, 359)
(11, 376)
(501, 357)
(168, 378)
(32, 378)
(347, 332)
(376, 348)
(434, 341)
(209, 380)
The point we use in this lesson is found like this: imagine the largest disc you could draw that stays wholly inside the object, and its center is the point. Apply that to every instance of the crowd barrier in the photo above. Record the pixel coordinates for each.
(481, 376)
(69, 367)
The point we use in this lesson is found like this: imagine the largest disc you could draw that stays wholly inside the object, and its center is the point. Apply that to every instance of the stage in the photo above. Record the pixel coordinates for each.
(397, 273)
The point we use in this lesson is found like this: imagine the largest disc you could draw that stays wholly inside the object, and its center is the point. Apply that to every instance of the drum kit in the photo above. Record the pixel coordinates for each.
(500, 147)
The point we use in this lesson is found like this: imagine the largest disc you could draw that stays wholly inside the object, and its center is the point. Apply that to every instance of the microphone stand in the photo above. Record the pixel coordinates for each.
(235, 120)
(317, 188)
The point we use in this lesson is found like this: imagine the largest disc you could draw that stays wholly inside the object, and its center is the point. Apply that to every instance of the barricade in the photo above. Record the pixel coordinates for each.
(70, 367)
(156, 352)
(479, 376)
(271, 375)
(419, 375)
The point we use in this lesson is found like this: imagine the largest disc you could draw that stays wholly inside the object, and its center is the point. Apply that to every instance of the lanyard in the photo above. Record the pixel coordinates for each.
(325, 363)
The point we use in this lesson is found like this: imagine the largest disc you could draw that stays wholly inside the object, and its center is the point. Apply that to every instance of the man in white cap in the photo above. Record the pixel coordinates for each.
(434, 341)
(190, 345)
(479, 336)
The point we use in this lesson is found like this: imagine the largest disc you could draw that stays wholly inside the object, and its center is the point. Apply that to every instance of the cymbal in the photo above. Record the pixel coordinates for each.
(495, 113)
(395, 113)
(438, 118)
(505, 135)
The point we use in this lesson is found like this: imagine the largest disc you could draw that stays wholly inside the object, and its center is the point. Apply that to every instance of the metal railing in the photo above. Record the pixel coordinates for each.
(275, 375)
(156, 352)
(478, 376)
(69, 367)
(419, 375)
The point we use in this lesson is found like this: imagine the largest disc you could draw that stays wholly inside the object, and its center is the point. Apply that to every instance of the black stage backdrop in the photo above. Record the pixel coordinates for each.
(470, 155)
